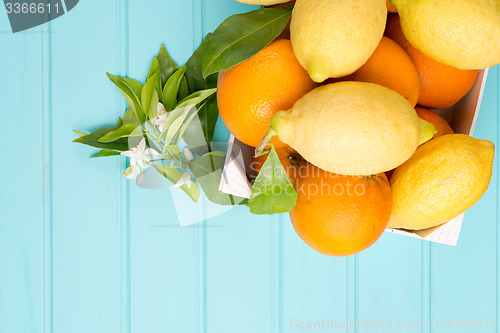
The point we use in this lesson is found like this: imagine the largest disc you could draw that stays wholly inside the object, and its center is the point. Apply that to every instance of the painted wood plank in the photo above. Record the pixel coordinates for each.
(242, 249)
(315, 286)
(22, 183)
(87, 221)
(390, 285)
(166, 260)
(464, 278)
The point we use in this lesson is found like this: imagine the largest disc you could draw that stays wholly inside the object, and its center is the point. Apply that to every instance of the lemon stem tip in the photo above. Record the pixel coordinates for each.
(259, 151)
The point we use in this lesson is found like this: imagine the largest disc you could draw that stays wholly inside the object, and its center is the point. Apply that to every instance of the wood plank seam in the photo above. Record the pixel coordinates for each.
(47, 205)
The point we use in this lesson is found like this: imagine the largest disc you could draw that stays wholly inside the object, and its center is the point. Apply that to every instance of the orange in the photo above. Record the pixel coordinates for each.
(391, 67)
(248, 94)
(291, 161)
(441, 85)
(390, 7)
(340, 215)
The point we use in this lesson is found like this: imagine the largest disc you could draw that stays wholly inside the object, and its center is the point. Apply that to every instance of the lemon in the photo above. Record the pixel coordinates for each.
(444, 178)
(263, 2)
(351, 128)
(334, 38)
(461, 33)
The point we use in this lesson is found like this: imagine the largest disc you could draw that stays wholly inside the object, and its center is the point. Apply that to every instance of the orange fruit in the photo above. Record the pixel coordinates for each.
(441, 125)
(390, 7)
(391, 67)
(340, 215)
(441, 85)
(248, 94)
(291, 161)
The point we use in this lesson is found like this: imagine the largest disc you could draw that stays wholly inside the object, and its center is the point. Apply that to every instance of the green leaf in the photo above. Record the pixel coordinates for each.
(80, 134)
(208, 171)
(120, 122)
(153, 108)
(129, 91)
(155, 68)
(178, 127)
(173, 117)
(167, 65)
(194, 76)
(175, 152)
(241, 36)
(136, 86)
(196, 98)
(147, 94)
(91, 140)
(200, 132)
(183, 89)
(106, 153)
(272, 191)
(131, 118)
(171, 89)
(123, 132)
(174, 176)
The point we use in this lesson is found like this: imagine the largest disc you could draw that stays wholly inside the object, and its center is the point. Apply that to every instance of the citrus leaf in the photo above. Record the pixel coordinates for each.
(196, 98)
(155, 68)
(122, 132)
(199, 134)
(272, 191)
(171, 89)
(80, 134)
(167, 65)
(241, 36)
(120, 122)
(175, 152)
(183, 89)
(208, 171)
(147, 94)
(129, 91)
(194, 76)
(136, 86)
(174, 176)
(105, 153)
(130, 117)
(92, 140)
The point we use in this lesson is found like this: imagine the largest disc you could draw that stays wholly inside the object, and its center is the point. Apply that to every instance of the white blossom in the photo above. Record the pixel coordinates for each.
(162, 117)
(185, 179)
(138, 157)
(188, 154)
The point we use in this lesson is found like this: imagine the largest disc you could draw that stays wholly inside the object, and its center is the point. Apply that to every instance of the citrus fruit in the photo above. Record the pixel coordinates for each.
(333, 38)
(390, 7)
(263, 2)
(351, 128)
(441, 85)
(440, 124)
(291, 161)
(340, 215)
(248, 94)
(462, 33)
(444, 178)
(391, 67)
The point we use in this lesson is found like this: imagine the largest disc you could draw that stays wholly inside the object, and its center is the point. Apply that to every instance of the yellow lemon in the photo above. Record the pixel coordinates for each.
(444, 178)
(263, 2)
(351, 128)
(333, 38)
(461, 33)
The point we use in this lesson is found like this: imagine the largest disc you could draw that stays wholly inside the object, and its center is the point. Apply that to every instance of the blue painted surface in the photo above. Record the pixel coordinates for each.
(82, 250)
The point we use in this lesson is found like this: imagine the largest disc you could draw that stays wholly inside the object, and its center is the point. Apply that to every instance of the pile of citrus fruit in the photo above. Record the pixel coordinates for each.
(346, 101)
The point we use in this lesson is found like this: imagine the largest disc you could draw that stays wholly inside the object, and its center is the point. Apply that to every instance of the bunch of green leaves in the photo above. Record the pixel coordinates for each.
(188, 96)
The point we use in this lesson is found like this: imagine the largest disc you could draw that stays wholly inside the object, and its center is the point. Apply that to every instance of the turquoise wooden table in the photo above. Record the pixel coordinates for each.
(83, 250)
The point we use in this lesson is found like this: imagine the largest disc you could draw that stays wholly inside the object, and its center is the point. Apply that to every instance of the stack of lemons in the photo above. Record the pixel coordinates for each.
(342, 97)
